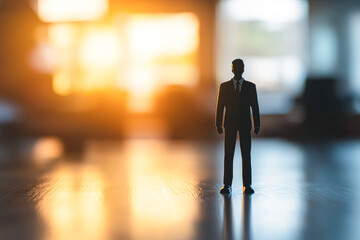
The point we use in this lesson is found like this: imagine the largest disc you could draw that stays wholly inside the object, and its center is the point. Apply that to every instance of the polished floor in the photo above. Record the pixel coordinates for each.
(158, 189)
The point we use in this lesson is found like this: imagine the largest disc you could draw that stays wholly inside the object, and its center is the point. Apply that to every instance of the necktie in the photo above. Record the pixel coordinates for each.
(237, 86)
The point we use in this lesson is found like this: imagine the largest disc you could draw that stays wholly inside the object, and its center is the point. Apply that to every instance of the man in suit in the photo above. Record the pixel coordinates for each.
(237, 96)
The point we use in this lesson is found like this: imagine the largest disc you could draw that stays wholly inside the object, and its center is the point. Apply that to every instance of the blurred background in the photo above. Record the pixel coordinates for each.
(118, 69)
(92, 79)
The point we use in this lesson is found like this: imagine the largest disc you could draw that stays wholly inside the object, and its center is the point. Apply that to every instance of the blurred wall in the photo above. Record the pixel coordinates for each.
(326, 41)
(28, 77)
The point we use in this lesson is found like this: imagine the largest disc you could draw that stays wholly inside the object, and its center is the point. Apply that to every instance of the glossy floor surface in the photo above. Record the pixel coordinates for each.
(158, 189)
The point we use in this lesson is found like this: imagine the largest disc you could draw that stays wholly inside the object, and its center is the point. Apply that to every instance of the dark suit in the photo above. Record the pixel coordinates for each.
(237, 119)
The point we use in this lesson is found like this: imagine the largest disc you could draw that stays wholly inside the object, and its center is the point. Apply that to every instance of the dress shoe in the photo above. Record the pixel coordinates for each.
(248, 190)
(225, 189)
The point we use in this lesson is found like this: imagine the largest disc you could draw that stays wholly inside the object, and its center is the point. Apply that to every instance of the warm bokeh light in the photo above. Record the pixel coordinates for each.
(138, 53)
(43, 58)
(62, 83)
(74, 213)
(62, 35)
(123, 189)
(87, 57)
(46, 149)
(153, 180)
(162, 35)
(100, 50)
(71, 10)
(98, 58)
(162, 51)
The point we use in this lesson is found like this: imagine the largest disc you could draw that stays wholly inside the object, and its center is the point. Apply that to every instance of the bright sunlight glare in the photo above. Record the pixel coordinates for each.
(71, 10)
(100, 49)
(141, 55)
(164, 34)
(162, 51)
(275, 11)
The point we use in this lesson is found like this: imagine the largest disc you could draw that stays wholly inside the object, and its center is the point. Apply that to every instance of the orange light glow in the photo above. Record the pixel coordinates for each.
(71, 10)
(139, 197)
(62, 35)
(98, 58)
(141, 54)
(163, 35)
(162, 51)
(74, 214)
(153, 198)
(46, 149)
(62, 83)
(100, 50)
(87, 58)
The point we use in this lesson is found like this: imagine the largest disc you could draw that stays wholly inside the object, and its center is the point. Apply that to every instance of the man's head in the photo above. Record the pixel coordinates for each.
(238, 67)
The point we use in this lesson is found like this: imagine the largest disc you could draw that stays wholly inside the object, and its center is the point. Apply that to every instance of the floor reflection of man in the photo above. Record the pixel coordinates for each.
(228, 230)
(246, 218)
(228, 219)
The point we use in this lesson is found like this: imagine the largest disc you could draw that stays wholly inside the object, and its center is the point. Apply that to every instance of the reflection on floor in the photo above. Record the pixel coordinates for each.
(157, 189)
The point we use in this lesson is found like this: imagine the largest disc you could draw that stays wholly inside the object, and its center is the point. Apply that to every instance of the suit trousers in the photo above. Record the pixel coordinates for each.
(245, 147)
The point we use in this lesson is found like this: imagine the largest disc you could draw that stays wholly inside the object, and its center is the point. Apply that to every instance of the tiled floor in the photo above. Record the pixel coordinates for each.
(158, 189)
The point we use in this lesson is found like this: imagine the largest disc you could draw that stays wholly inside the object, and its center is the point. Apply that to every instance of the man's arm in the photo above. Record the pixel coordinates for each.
(220, 109)
(255, 111)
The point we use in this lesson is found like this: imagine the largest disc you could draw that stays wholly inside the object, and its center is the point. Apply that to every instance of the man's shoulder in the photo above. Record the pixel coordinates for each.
(250, 83)
(225, 83)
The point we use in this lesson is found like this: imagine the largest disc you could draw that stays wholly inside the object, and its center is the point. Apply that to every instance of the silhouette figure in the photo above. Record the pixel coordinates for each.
(237, 96)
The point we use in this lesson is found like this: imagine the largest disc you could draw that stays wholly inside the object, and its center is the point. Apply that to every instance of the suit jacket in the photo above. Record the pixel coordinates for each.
(237, 106)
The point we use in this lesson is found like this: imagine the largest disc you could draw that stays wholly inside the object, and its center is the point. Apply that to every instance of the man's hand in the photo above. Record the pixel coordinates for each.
(219, 130)
(256, 130)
